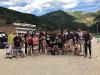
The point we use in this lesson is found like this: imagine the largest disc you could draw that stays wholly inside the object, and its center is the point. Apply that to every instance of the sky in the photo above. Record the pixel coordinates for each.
(41, 7)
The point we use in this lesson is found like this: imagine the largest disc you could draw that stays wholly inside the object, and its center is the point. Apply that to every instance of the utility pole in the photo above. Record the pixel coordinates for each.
(98, 33)
(97, 30)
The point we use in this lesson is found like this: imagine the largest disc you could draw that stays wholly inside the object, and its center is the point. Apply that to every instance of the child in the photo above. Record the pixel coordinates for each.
(67, 48)
(35, 44)
(44, 45)
(76, 47)
(29, 43)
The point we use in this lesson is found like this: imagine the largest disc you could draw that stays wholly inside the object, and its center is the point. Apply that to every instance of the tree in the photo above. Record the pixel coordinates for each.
(8, 21)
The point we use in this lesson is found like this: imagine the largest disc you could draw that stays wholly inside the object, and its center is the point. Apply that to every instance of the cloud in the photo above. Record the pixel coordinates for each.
(90, 2)
(69, 4)
(9, 2)
(42, 5)
(18, 8)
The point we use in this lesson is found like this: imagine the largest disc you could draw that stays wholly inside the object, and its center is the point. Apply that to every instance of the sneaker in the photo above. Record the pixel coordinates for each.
(90, 57)
(85, 56)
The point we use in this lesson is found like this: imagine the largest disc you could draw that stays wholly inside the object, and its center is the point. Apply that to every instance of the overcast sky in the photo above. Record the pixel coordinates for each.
(41, 7)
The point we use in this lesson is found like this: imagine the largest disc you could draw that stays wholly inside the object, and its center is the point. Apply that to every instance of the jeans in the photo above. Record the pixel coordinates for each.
(87, 47)
(25, 48)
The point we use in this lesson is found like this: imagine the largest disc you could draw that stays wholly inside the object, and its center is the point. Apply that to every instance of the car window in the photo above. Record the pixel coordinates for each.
(2, 34)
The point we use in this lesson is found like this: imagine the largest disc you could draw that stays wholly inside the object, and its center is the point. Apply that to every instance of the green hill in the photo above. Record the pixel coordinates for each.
(9, 16)
(57, 19)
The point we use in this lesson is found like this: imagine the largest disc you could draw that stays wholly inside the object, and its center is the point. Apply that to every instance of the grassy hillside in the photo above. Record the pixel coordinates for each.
(89, 19)
(83, 17)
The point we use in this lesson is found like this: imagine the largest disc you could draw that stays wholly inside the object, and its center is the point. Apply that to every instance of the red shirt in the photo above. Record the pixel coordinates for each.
(35, 41)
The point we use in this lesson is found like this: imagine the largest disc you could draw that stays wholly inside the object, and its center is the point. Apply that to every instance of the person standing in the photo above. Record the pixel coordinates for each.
(17, 45)
(65, 36)
(35, 44)
(25, 41)
(81, 40)
(10, 43)
(87, 43)
(29, 44)
(44, 45)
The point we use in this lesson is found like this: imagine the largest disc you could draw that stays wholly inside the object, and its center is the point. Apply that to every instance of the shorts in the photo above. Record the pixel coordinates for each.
(35, 47)
(17, 49)
(30, 46)
(81, 41)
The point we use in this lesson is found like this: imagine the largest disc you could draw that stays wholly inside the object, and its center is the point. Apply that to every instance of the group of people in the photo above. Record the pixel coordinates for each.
(53, 43)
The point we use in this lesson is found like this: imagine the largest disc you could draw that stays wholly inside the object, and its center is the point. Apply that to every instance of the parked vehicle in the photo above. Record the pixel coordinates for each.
(3, 39)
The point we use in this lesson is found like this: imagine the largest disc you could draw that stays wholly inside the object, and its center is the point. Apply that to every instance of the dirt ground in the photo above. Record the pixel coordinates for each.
(52, 65)
(7, 29)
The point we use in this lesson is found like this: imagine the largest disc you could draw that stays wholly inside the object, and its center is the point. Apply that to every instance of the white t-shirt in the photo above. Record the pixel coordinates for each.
(65, 33)
(80, 34)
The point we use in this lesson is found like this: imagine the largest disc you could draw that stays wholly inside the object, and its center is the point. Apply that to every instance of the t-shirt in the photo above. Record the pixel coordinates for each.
(75, 38)
(65, 33)
(35, 41)
(30, 40)
(80, 34)
(87, 37)
(59, 40)
(17, 41)
(10, 39)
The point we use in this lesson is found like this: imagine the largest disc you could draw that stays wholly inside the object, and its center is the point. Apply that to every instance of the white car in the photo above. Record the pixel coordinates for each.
(3, 38)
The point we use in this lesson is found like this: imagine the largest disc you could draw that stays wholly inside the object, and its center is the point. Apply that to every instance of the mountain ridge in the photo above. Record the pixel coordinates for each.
(53, 20)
